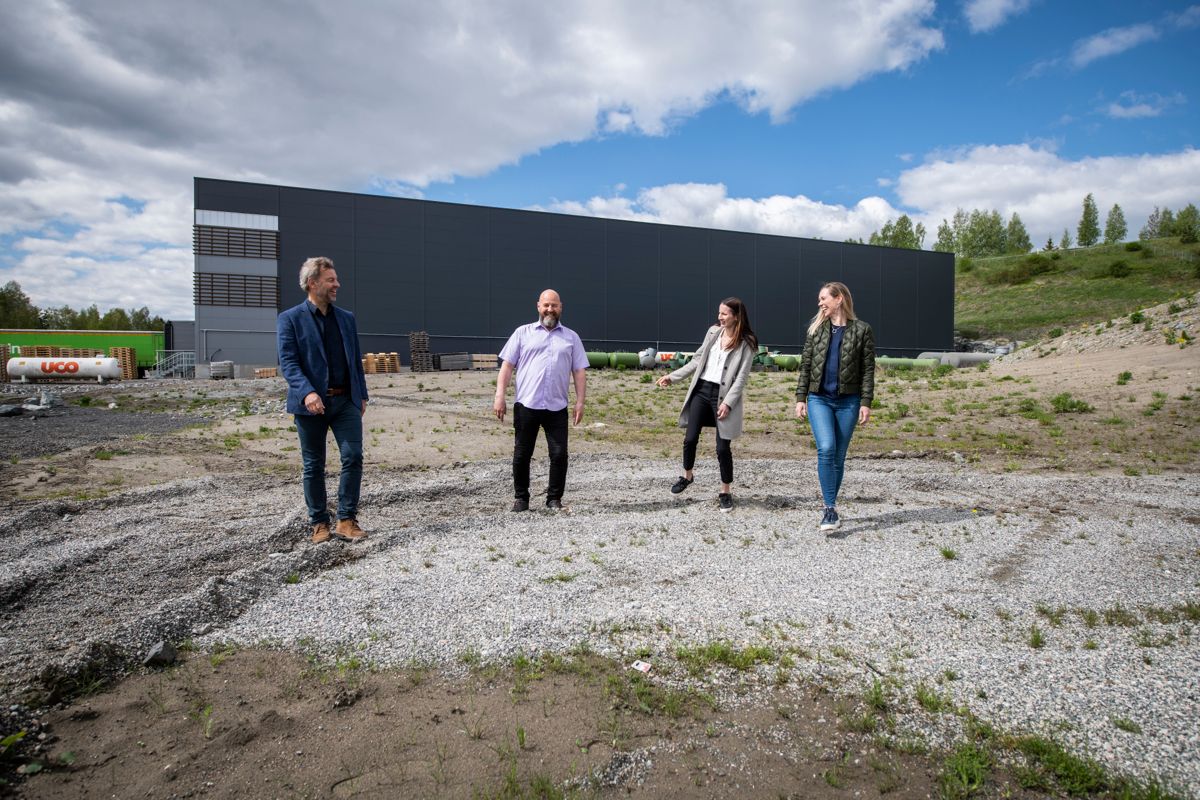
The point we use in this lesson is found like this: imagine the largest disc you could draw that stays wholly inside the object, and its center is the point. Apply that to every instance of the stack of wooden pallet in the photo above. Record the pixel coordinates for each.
(4, 356)
(266, 372)
(484, 360)
(376, 363)
(418, 347)
(51, 351)
(452, 361)
(127, 358)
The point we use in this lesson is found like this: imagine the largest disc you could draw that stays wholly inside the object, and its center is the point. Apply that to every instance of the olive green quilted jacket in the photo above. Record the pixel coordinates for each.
(856, 365)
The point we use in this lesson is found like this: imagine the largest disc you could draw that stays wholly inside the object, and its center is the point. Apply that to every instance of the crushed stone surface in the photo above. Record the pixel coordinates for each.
(938, 576)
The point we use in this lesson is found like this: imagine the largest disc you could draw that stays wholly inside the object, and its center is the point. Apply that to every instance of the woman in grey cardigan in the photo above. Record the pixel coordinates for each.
(714, 399)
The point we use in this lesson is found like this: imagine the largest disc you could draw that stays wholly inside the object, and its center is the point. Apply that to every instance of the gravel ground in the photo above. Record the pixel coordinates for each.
(936, 577)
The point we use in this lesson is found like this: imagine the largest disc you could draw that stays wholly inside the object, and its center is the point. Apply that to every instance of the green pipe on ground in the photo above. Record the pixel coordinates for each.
(907, 363)
(626, 360)
(597, 360)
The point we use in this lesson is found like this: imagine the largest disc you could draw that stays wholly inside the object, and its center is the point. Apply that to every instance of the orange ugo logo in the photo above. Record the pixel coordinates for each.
(61, 367)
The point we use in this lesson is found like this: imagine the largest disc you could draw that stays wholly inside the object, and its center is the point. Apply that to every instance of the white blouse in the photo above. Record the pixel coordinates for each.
(714, 368)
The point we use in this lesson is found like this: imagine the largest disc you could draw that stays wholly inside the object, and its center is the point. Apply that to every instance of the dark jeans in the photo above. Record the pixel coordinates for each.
(832, 420)
(526, 422)
(345, 420)
(702, 412)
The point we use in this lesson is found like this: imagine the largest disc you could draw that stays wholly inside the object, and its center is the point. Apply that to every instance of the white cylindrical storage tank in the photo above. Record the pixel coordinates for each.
(30, 369)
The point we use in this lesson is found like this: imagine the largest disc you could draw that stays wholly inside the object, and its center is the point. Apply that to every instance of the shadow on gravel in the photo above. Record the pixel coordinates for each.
(882, 522)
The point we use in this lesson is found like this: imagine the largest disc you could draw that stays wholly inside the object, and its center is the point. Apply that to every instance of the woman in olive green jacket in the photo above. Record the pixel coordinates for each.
(836, 386)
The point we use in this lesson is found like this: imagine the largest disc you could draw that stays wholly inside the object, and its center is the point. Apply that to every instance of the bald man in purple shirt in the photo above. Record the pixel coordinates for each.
(547, 357)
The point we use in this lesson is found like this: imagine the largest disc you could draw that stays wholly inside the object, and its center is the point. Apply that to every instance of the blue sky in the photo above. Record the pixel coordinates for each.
(801, 118)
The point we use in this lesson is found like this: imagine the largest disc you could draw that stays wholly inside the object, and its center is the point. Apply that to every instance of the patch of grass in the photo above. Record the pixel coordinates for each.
(1065, 404)
(1127, 725)
(931, 700)
(1052, 615)
(1037, 639)
(875, 697)
(965, 771)
(1118, 616)
(948, 553)
(1048, 759)
(1124, 378)
(699, 659)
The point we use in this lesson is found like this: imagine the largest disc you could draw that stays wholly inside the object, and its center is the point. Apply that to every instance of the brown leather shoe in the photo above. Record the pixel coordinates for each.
(320, 533)
(348, 531)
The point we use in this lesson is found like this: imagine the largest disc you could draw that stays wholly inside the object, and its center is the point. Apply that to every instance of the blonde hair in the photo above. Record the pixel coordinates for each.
(837, 289)
(311, 269)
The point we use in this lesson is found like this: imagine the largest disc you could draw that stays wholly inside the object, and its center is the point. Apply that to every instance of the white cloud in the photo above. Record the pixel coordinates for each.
(1111, 42)
(125, 98)
(1046, 189)
(1132, 105)
(985, 15)
(708, 205)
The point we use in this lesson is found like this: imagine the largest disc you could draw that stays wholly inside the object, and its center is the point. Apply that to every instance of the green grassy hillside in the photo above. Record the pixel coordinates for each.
(1022, 297)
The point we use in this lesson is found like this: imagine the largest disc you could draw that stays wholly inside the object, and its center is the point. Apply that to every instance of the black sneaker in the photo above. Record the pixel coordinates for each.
(830, 521)
(680, 485)
(520, 505)
(554, 504)
(725, 501)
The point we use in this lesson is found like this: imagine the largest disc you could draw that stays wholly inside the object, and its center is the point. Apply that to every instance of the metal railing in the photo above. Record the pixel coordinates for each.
(174, 364)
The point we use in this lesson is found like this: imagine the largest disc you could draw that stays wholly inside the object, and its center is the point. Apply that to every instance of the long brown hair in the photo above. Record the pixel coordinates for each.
(742, 332)
(837, 289)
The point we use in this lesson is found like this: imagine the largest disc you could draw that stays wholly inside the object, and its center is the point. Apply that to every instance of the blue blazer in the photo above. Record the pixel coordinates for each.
(302, 356)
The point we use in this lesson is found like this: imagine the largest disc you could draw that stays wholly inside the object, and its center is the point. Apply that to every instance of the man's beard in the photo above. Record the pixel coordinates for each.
(549, 321)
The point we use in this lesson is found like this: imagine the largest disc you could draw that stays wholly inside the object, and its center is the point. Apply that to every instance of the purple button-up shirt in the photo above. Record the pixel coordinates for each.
(544, 360)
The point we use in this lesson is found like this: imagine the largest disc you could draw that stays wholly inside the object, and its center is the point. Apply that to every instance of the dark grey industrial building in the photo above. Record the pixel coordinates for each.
(470, 274)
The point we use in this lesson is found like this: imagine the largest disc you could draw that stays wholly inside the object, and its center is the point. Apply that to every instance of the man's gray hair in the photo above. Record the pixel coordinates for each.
(312, 269)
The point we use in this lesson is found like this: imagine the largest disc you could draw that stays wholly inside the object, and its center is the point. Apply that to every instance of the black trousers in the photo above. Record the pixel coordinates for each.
(526, 422)
(702, 413)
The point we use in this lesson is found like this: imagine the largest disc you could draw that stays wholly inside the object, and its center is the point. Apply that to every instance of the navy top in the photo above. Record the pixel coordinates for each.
(335, 348)
(829, 381)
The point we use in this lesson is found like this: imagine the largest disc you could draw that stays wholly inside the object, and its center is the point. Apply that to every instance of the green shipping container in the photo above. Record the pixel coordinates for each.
(145, 343)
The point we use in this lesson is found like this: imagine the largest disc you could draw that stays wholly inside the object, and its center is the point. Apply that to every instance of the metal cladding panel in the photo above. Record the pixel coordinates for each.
(775, 315)
(389, 279)
(243, 198)
(820, 263)
(469, 275)
(456, 270)
(860, 273)
(576, 259)
(730, 268)
(241, 335)
(896, 325)
(632, 290)
(935, 317)
(519, 267)
(685, 311)
(227, 265)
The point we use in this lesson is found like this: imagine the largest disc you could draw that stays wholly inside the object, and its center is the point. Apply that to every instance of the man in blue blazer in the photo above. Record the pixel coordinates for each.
(320, 358)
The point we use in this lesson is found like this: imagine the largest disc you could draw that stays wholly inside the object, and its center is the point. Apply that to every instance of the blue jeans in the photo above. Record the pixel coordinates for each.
(833, 420)
(345, 420)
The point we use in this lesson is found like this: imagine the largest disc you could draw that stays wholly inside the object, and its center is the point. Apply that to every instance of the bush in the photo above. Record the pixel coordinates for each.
(1133, 247)
(1055, 256)
(1054, 333)
(1118, 269)
(1023, 271)
(1065, 404)
(1136, 317)
(964, 265)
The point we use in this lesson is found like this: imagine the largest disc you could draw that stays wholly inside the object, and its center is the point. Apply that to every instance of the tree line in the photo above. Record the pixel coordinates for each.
(18, 311)
(985, 233)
